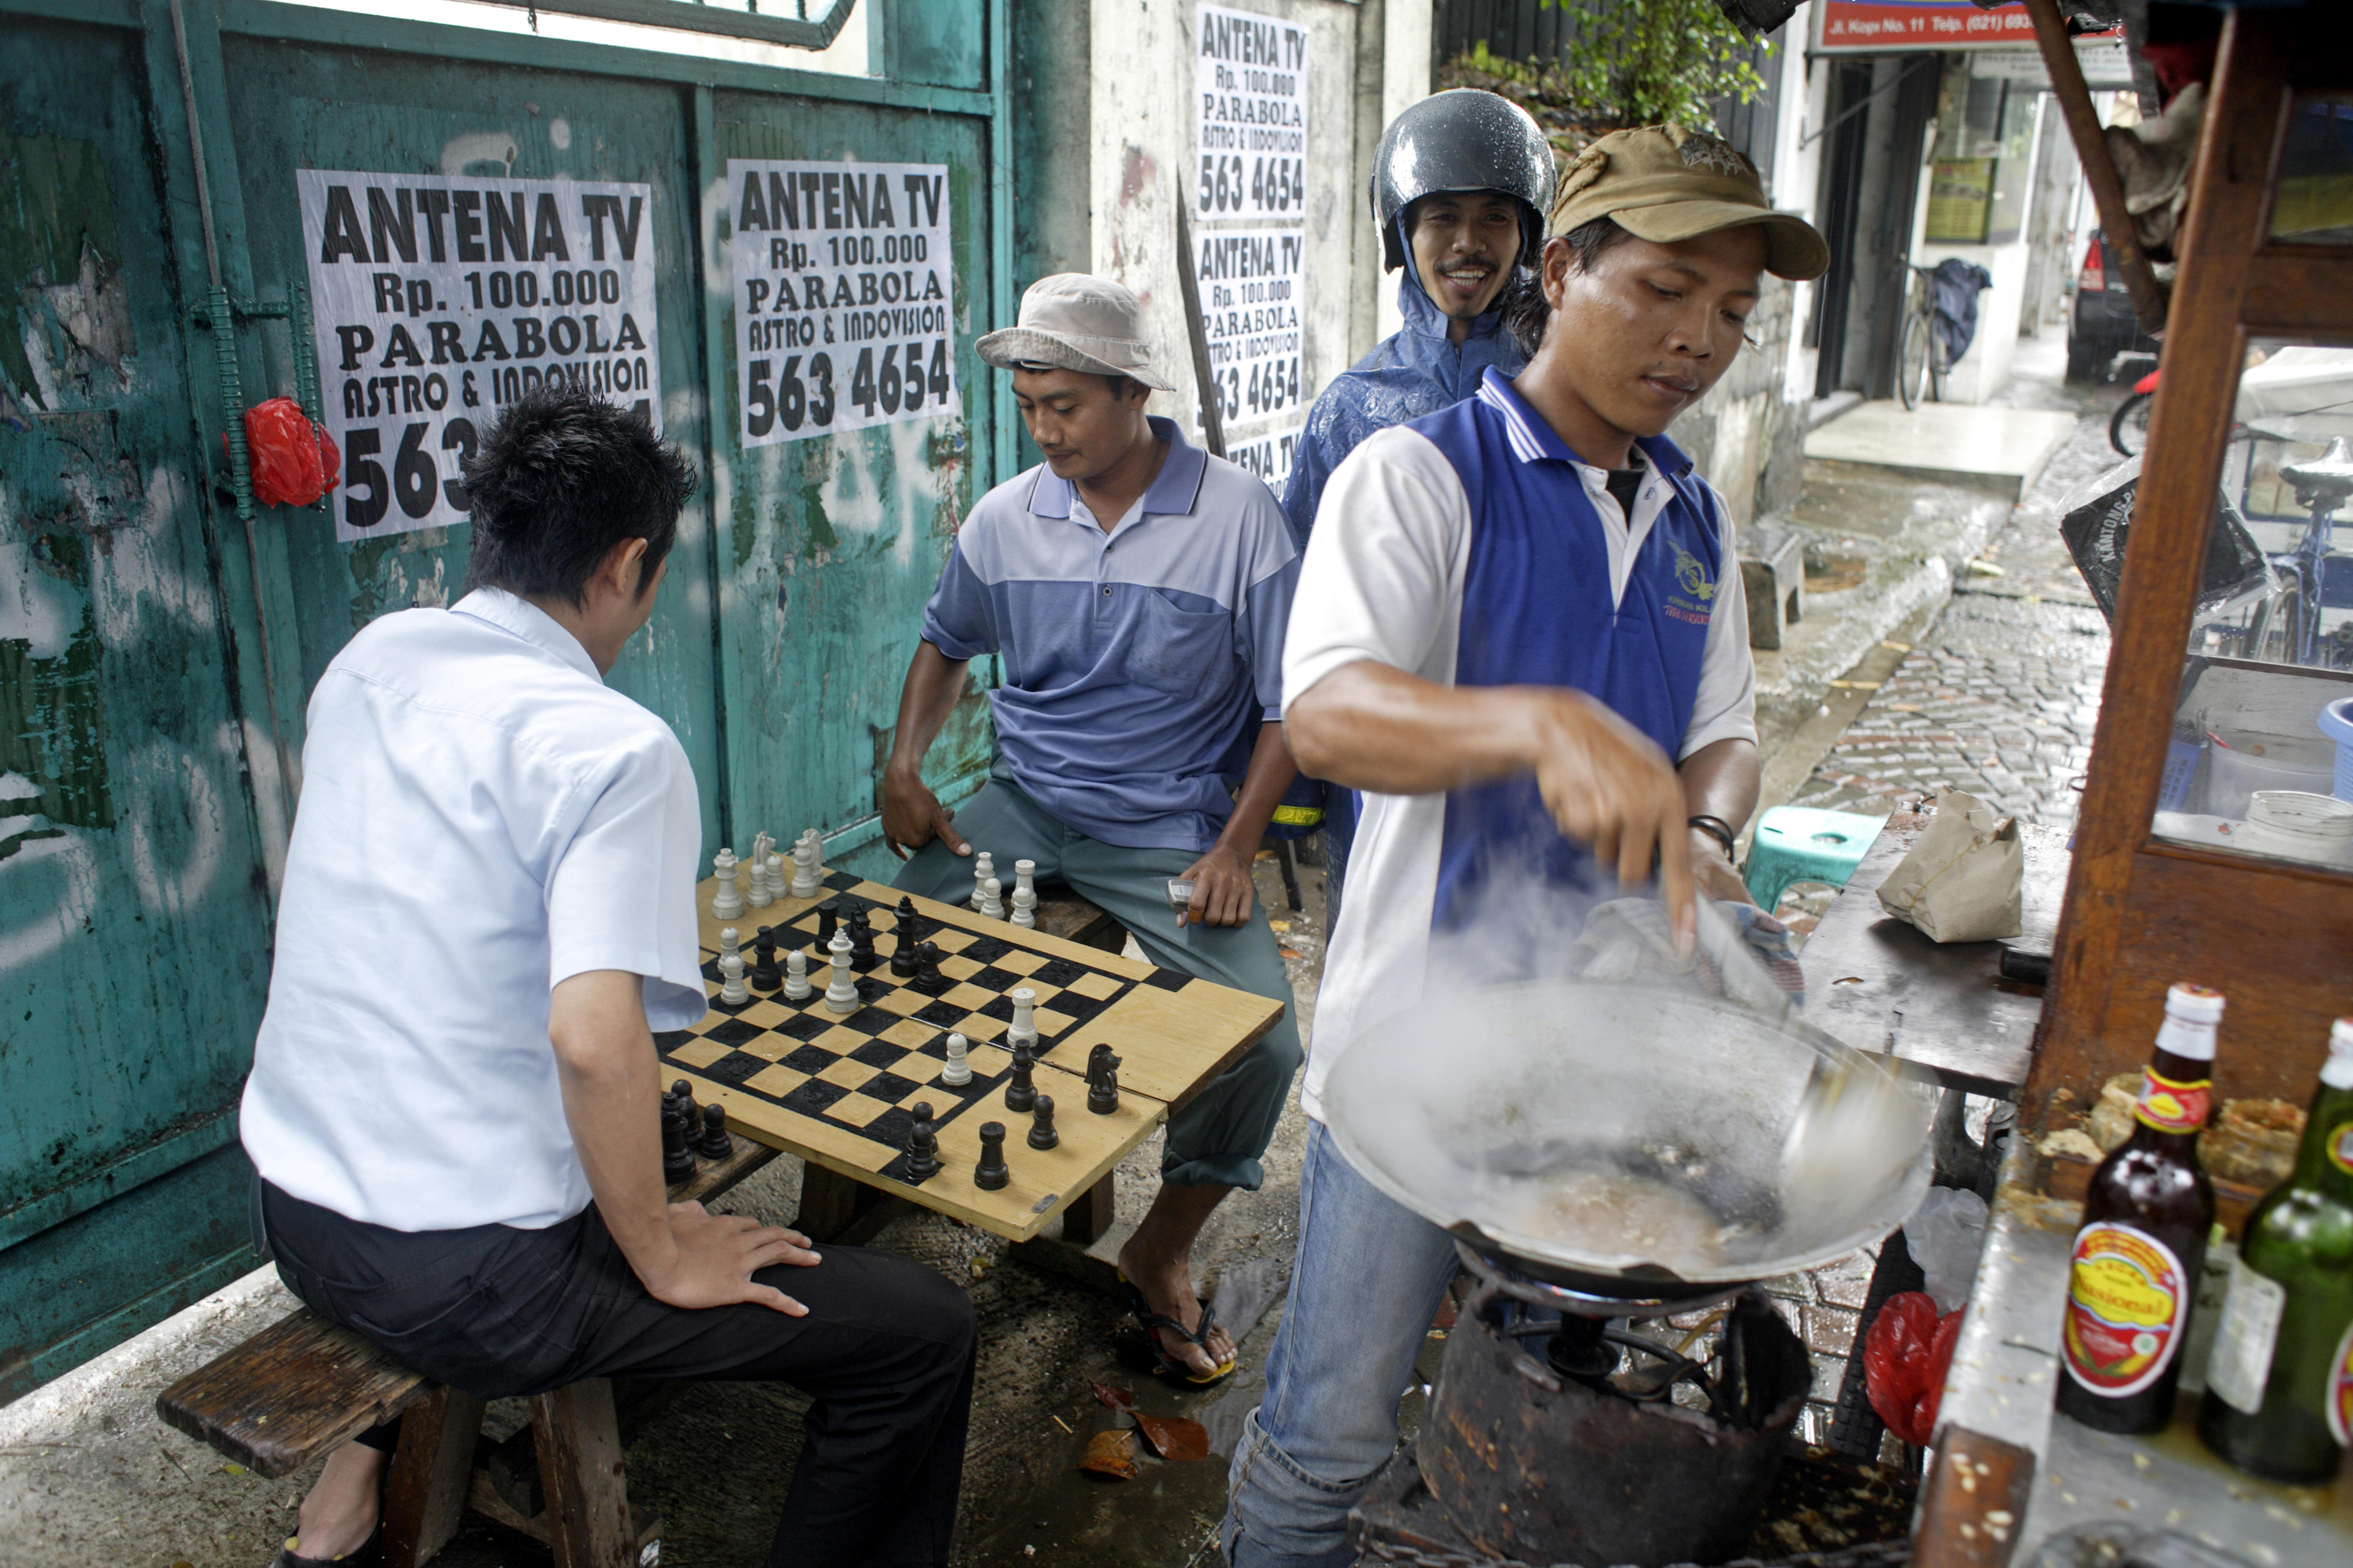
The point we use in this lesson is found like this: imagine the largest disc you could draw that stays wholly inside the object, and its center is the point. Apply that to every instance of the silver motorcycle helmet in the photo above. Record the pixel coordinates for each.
(1461, 140)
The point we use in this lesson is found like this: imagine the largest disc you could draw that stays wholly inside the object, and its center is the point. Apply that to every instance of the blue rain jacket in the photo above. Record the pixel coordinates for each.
(1413, 371)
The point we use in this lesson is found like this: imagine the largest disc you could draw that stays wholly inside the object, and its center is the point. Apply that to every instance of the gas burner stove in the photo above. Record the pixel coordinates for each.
(1538, 1285)
(1544, 1444)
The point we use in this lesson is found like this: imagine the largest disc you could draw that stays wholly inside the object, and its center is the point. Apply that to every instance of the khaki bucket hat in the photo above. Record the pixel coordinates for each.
(1074, 321)
(1666, 182)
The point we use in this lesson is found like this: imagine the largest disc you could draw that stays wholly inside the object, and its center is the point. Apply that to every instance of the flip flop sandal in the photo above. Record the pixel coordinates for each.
(1154, 1324)
(365, 1556)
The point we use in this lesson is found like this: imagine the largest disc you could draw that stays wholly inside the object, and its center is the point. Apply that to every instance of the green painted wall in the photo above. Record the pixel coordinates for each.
(155, 654)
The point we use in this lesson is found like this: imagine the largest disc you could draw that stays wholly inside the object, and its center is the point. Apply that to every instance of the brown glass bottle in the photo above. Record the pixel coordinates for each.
(2143, 1237)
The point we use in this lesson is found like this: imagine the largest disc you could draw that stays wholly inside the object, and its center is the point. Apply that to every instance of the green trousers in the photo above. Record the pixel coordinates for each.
(1217, 1139)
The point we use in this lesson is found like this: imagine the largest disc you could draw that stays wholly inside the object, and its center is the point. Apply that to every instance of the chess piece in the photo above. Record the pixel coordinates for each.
(809, 854)
(764, 960)
(758, 896)
(991, 1173)
(1041, 1123)
(958, 1072)
(906, 940)
(1024, 1028)
(861, 942)
(776, 876)
(678, 1160)
(796, 979)
(680, 1096)
(828, 920)
(730, 940)
(923, 1146)
(713, 1143)
(1103, 1080)
(1021, 1093)
(983, 868)
(992, 904)
(841, 994)
(928, 978)
(728, 901)
(730, 980)
(1025, 907)
(1025, 879)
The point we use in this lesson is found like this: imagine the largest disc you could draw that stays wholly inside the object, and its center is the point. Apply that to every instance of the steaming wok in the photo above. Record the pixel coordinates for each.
(1626, 1139)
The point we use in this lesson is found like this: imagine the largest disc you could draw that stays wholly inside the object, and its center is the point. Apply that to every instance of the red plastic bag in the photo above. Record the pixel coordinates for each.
(1904, 1358)
(294, 461)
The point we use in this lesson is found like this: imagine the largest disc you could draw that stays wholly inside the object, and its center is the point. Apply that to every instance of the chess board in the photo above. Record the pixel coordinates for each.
(838, 1088)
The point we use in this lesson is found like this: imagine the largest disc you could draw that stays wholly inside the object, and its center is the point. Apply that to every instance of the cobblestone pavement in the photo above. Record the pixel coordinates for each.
(2000, 695)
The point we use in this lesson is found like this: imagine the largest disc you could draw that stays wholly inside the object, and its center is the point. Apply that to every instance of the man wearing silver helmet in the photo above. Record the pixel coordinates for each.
(1460, 183)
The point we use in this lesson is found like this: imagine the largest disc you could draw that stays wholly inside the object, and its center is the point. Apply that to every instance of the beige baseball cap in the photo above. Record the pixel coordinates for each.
(1074, 321)
(1666, 182)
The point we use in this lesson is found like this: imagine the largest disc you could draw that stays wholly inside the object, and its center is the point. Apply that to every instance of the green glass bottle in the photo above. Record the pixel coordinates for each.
(2279, 1389)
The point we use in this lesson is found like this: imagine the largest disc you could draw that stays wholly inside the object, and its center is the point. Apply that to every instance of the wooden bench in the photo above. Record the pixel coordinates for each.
(303, 1387)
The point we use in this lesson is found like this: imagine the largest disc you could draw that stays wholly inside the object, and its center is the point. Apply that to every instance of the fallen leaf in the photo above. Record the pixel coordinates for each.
(1112, 1454)
(1113, 1398)
(1279, 925)
(1289, 953)
(1174, 1439)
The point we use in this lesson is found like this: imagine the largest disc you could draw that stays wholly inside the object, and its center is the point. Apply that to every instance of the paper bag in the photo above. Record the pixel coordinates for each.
(1960, 881)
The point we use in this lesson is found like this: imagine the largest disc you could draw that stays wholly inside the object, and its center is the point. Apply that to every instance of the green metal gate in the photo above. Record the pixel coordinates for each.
(160, 636)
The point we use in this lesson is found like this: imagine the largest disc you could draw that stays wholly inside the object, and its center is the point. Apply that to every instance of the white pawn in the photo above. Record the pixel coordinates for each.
(1024, 1029)
(730, 980)
(958, 1072)
(779, 884)
(1025, 905)
(808, 853)
(730, 940)
(992, 901)
(983, 868)
(728, 903)
(797, 981)
(841, 995)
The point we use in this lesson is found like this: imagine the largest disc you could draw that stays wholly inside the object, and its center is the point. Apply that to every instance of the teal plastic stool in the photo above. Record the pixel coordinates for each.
(1799, 844)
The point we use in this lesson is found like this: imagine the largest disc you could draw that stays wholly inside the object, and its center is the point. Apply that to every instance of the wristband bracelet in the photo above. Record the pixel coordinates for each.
(1715, 828)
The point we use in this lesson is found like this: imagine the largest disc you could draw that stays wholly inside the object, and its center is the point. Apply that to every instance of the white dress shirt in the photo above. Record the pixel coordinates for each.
(481, 818)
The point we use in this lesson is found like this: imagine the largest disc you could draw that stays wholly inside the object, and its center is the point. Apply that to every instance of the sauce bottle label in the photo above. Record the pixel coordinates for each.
(2242, 1362)
(2127, 1298)
(2173, 1107)
(2339, 1392)
(2340, 1147)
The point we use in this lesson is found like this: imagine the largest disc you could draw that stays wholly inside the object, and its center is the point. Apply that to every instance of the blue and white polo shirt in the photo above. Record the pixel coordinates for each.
(1138, 663)
(1471, 547)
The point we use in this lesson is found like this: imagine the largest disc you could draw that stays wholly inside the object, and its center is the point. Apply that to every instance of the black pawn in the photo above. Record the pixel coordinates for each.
(923, 1147)
(712, 1143)
(682, 1095)
(861, 943)
(829, 916)
(678, 1160)
(991, 1173)
(928, 978)
(1103, 1081)
(1022, 1093)
(766, 975)
(1041, 1123)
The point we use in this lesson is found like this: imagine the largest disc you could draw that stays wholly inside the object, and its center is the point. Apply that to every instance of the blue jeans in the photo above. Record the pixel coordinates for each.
(1368, 1279)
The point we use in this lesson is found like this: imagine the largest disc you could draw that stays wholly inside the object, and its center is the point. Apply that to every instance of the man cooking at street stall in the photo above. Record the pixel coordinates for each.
(1461, 183)
(1136, 588)
(1520, 632)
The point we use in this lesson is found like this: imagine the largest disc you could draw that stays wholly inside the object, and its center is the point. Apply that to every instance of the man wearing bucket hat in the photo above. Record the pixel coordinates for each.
(1510, 635)
(1460, 182)
(1138, 589)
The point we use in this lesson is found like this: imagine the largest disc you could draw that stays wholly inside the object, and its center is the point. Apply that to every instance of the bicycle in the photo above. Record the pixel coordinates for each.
(2286, 628)
(2128, 426)
(1920, 364)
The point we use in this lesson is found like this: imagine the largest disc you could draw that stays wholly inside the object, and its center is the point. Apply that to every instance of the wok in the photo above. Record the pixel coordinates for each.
(1628, 1139)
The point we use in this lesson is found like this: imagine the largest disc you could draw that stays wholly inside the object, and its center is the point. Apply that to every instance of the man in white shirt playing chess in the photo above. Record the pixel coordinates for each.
(488, 907)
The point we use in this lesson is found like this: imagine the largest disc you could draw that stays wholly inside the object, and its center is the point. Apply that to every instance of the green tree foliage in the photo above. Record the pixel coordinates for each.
(1634, 62)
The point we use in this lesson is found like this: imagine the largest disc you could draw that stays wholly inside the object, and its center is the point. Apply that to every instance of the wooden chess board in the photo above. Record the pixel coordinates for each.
(838, 1088)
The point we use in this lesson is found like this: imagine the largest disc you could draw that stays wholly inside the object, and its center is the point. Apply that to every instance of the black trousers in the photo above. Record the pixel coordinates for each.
(886, 1353)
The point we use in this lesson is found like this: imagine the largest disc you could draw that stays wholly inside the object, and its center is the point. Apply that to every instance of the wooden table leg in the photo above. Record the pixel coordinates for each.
(831, 1204)
(580, 1474)
(1090, 1213)
(426, 1494)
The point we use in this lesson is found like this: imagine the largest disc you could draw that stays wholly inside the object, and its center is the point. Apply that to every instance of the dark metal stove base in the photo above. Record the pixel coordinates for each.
(1399, 1522)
